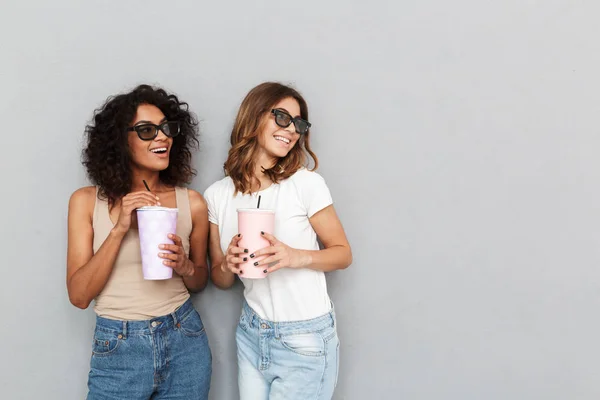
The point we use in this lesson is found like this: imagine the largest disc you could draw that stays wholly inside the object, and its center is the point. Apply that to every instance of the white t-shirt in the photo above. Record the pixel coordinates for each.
(288, 294)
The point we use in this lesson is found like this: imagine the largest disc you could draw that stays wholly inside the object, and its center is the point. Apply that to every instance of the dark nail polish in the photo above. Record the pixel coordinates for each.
(262, 233)
(241, 272)
(245, 250)
(245, 259)
(265, 271)
(252, 255)
(239, 234)
(256, 264)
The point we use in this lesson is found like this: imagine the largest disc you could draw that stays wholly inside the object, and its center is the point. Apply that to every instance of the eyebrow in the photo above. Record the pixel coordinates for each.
(289, 113)
(149, 122)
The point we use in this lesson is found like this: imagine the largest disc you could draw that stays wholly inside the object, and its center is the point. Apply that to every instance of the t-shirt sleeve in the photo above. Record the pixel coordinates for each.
(315, 193)
(209, 196)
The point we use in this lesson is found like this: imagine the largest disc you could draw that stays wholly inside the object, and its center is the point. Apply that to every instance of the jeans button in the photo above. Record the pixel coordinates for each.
(264, 326)
(154, 324)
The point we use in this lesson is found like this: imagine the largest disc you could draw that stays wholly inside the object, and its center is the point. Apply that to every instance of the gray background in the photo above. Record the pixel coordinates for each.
(459, 140)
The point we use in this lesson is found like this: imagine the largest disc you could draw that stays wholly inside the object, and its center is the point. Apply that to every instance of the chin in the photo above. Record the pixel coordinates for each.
(163, 167)
(279, 153)
(282, 155)
(157, 167)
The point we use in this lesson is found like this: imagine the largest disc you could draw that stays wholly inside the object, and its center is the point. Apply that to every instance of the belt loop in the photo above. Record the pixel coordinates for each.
(332, 314)
(124, 329)
(175, 321)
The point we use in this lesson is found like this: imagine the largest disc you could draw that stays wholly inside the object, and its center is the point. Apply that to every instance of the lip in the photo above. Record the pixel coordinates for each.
(284, 143)
(160, 155)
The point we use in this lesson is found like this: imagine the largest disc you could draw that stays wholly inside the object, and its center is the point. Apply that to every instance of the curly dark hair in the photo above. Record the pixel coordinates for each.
(106, 156)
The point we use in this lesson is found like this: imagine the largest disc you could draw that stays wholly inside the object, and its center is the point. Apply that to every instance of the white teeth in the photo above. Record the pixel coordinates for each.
(281, 138)
(159, 150)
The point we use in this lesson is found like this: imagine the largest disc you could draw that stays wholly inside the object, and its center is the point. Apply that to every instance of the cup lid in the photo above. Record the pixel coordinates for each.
(157, 208)
(256, 210)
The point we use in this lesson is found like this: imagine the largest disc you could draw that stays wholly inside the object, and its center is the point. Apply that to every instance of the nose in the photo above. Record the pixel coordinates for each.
(291, 128)
(161, 136)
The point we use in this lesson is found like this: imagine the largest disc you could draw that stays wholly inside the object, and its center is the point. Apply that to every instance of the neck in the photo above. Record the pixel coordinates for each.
(151, 178)
(263, 161)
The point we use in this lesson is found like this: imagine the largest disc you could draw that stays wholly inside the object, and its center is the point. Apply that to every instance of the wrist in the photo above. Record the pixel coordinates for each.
(224, 269)
(306, 258)
(192, 266)
(117, 233)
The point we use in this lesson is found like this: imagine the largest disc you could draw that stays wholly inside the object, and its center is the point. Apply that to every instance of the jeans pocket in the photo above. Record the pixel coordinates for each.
(192, 325)
(105, 343)
(306, 344)
(329, 333)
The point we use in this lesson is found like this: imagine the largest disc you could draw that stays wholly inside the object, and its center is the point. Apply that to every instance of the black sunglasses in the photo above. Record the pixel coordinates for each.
(148, 131)
(284, 119)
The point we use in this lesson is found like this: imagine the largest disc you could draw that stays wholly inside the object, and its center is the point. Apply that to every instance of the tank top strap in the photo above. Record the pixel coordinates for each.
(101, 216)
(183, 205)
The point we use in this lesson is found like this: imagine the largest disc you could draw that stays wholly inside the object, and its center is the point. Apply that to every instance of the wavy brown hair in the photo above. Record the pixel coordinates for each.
(107, 157)
(249, 123)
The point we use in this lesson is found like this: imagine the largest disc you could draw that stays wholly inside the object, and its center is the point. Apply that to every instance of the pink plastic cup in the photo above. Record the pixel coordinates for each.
(155, 224)
(251, 221)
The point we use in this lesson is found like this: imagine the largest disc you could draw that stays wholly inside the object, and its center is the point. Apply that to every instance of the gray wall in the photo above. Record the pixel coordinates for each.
(459, 140)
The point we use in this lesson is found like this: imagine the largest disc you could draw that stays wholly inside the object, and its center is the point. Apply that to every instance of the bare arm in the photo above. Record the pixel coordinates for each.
(222, 278)
(87, 273)
(336, 254)
(224, 267)
(198, 243)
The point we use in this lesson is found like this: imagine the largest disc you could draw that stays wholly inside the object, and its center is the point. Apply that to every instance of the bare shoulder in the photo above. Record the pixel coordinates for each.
(83, 198)
(81, 204)
(197, 202)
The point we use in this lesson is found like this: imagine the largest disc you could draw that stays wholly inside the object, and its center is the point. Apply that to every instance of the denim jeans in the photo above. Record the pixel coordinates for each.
(287, 360)
(162, 358)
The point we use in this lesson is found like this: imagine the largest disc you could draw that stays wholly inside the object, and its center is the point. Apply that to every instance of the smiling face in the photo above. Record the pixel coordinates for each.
(264, 141)
(152, 155)
(274, 140)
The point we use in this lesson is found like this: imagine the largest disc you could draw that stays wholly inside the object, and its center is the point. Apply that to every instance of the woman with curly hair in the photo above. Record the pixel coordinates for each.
(149, 341)
(287, 343)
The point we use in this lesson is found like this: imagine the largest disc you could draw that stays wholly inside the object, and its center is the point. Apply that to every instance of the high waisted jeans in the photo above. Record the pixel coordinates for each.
(162, 358)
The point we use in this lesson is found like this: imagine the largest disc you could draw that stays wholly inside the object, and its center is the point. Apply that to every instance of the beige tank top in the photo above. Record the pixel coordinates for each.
(127, 295)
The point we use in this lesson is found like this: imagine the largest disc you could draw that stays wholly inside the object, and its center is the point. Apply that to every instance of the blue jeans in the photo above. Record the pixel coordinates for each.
(162, 358)
(287, 360)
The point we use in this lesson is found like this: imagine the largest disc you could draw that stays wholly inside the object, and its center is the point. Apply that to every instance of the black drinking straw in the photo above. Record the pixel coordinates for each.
(145, 184)
(258, 205)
